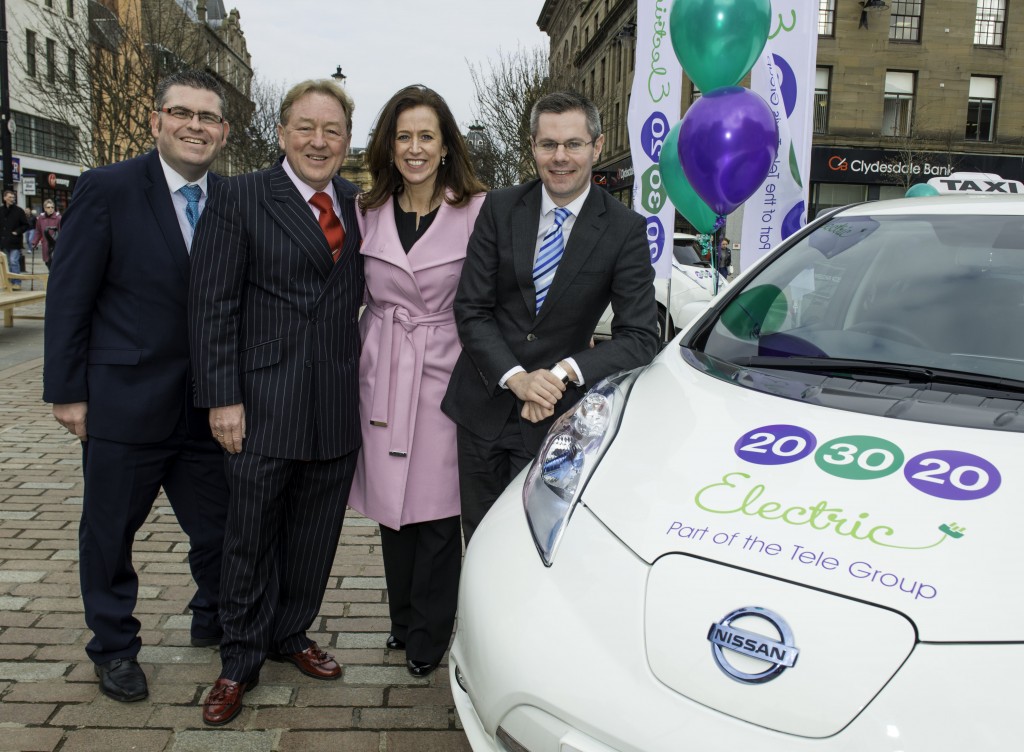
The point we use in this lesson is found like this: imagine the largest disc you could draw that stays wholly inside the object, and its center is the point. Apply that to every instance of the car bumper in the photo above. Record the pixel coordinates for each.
(554, 659)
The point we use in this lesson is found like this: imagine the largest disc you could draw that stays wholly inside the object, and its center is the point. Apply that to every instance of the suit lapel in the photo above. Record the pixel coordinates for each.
(586, 232)
(525, 223)
(158, 194)
(295, 217)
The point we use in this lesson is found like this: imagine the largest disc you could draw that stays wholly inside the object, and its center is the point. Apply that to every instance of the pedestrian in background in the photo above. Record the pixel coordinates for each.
(118, 374)
(416, 221)
(46, 230)
(13, 224)
(724, 257)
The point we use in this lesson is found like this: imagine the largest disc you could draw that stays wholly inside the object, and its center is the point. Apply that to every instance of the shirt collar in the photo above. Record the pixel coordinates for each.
(305, 189)
(176, 181)
(547, 204)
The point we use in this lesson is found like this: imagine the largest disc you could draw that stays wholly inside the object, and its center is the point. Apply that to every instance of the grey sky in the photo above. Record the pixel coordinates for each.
(383, 45)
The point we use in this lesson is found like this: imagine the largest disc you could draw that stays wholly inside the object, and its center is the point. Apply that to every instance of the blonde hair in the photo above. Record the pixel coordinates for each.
(317, 86)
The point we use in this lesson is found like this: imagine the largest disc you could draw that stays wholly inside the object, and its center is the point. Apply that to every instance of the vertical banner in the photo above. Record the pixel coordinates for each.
(653, 110)
(784, 77)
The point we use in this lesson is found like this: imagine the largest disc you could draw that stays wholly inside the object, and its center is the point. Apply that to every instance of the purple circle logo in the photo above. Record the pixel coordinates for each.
(653, 134)
(655, 237)
(775, 445)
(949, 474)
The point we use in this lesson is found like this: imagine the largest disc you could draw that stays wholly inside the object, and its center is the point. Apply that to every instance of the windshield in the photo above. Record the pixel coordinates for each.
(933, 291)
(686, 254)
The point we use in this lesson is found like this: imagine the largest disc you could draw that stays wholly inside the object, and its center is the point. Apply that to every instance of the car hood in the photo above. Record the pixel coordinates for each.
(917, 518)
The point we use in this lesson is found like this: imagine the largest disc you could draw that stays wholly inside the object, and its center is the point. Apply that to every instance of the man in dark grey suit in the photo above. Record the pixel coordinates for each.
(275, 293)
(544, 261)
(117, 371)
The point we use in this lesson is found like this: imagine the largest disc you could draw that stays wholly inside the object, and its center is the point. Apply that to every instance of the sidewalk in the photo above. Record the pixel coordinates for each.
(49, 700)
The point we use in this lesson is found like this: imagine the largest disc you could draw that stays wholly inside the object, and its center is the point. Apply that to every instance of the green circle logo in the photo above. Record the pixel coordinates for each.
(859, 457)
(653, 192)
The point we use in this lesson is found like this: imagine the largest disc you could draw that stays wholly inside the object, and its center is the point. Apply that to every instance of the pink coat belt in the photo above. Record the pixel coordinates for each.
(403, 342)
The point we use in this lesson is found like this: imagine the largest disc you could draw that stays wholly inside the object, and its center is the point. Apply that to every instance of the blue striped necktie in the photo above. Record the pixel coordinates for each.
(550, 254)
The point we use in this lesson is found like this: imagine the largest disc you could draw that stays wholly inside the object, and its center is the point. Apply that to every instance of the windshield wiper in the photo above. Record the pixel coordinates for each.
(894, 372)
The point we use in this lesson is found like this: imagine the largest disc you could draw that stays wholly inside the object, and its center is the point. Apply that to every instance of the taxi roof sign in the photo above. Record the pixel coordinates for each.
(976, 182)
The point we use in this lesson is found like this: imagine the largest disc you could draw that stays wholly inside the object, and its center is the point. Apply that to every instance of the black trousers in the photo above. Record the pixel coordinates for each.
(422, 562)
(486, 467)
(282, 533)
(121, 483)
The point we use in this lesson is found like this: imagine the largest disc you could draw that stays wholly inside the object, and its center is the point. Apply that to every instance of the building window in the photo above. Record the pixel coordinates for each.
(72, 68)
(71, 8)
(45, 138)
(899, 103)
(30, 53)
(822, 86)
(826, 18)
(905, 21)
(981, 108)
(49, 3)
(989, 22)
(694, 92)
(51, 61)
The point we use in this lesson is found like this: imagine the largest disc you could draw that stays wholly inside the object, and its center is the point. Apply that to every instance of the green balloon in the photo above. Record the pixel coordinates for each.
(717, 41)
(921, 189)
(682, 195)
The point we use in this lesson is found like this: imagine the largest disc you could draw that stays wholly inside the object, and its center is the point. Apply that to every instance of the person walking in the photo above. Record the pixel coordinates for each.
(275, 296)
(13, 224)
(416, 220)
(544, 261)
(117, 371)
(46, 230)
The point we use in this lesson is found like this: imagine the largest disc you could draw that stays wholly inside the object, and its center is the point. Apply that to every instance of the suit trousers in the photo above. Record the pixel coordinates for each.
(121, 483)
(282, 533)
(486, 467)
(422, 562)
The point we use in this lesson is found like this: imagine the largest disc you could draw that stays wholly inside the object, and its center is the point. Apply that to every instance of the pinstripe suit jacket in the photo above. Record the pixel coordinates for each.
(273, 319)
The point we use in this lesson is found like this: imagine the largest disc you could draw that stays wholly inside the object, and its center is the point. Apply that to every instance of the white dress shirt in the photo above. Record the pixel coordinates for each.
(174, 183)
(307, 192)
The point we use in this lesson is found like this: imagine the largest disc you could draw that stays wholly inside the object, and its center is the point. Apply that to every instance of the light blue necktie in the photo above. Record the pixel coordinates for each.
(192, 194)
(550, 254)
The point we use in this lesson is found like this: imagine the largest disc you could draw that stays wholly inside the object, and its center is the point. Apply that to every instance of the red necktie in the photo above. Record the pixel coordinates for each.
(329, 223)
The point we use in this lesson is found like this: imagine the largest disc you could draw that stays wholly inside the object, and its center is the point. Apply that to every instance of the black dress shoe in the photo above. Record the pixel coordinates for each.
(419, 668)
(122, 679)
(393, 643)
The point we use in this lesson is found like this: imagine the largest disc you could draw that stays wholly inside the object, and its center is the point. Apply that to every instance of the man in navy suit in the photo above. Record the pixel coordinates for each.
(117, 371)
(544, 261)
(275, 294)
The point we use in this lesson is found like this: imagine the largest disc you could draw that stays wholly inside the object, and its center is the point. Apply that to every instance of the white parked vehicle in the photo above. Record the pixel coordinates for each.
(797, 530)
(693, 285)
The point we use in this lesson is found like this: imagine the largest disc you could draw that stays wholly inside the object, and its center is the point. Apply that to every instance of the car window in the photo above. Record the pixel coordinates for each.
(686, 254)
(934, 291)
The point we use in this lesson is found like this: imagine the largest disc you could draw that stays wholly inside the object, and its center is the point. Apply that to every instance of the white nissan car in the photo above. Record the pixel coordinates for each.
(797, 530)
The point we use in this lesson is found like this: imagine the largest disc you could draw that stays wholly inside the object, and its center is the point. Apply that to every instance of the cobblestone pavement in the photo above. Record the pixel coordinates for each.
(49, 699)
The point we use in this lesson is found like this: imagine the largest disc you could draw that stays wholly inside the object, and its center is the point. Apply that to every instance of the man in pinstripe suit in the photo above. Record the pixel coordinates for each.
(275, 294)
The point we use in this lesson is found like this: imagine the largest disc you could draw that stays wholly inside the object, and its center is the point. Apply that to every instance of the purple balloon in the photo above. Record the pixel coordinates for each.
(727, 144)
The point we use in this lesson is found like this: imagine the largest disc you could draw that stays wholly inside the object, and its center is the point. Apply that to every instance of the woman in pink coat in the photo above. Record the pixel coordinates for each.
(415, 222)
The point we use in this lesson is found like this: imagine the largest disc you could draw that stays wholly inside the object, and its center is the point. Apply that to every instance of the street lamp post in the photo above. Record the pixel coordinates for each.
(337, 75)
(5, 104)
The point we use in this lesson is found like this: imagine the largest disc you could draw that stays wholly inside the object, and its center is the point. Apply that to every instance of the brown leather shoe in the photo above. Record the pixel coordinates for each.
(224, 701)
(314, 662)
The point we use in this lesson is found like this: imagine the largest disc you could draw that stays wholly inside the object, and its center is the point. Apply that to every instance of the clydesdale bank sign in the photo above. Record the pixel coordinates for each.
(891, 166)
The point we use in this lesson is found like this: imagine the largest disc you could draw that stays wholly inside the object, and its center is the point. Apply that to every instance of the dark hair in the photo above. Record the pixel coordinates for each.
(566, 101)
(456, 174)
(318, 86)
(194, 79)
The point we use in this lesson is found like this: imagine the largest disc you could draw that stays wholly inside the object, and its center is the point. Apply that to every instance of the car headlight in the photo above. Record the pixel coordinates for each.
(571, 451)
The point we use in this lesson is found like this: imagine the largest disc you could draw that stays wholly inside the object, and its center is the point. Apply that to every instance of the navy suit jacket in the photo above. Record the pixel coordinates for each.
(274, 318)
(116, 334)
(606, 260)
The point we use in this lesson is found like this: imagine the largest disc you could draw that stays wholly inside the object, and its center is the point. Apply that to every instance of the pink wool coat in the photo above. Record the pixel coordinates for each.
(408, 467)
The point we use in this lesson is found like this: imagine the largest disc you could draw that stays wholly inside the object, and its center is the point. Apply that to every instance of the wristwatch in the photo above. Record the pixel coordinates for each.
(560, 373)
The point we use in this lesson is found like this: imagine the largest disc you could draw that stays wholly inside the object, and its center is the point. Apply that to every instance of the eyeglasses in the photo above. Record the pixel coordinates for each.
(572, 146)
(183, 113)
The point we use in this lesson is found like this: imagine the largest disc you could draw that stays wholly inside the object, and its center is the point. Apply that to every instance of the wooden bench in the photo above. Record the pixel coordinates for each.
(10, 296)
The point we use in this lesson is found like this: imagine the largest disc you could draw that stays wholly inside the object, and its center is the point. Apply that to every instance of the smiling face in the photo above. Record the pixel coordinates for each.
(315, 139)
(565, 175)
(189, 146)
(418, 146)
